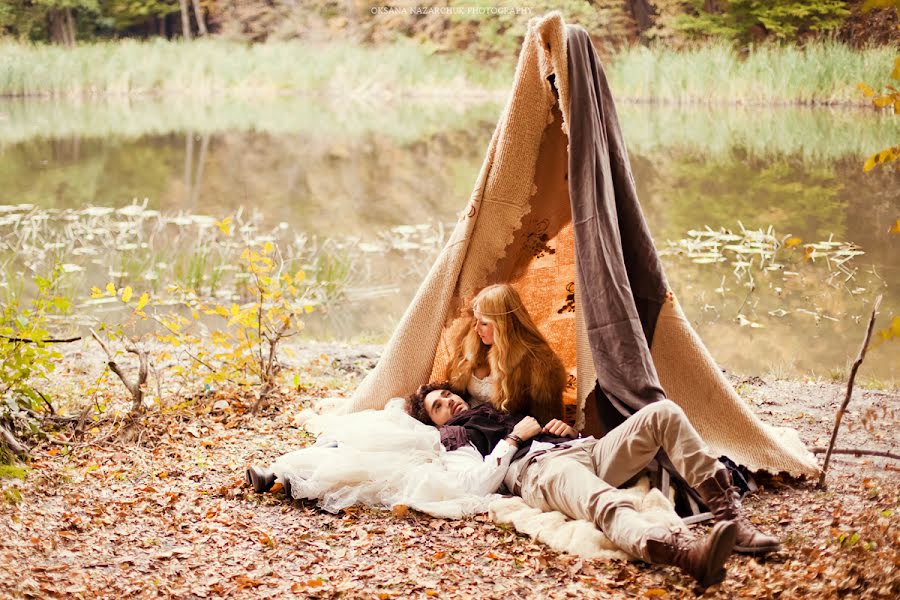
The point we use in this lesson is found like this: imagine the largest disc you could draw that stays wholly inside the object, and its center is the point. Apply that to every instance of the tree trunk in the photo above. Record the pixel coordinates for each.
(161, 19)
(198, 14)
(57, 25)
(643, 13)
(711, 6)
(70, 27)
(185, 20)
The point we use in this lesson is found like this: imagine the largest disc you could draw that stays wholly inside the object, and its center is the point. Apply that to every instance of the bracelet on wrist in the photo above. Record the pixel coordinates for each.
(518, 441)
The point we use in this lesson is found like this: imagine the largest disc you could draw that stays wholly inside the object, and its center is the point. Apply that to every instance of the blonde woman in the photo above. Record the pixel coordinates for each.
(503, 359)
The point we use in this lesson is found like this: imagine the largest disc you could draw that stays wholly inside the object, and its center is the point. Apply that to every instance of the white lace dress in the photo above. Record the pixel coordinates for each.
(379, 458)
(480, 390)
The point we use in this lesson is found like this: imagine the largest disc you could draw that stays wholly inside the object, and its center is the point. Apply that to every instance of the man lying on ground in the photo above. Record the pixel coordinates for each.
(552, 469)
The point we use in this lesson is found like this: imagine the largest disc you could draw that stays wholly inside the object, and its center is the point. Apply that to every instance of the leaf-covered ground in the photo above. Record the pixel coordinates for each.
(167, 515)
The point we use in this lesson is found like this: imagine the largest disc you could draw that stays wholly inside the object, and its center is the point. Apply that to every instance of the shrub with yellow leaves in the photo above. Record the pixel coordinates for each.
(224, 342)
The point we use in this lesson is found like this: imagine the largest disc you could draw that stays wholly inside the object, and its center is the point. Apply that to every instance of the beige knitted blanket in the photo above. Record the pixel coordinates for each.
(517, 227)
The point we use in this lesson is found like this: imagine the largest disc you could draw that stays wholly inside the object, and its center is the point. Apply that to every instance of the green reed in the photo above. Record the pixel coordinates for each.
(819, 73)
(212, 67)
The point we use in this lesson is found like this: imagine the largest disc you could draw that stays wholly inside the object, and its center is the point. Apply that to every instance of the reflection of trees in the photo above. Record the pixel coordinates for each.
(316, 184)
(54, 174)
(325, 187)
(193, 175)
(696, 189)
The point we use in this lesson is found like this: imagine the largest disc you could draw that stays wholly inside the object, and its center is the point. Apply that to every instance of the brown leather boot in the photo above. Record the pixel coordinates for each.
(724, 501)
(703, 559)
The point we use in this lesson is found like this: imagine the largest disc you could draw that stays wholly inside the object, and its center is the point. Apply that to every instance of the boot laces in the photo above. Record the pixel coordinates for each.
(682, 540)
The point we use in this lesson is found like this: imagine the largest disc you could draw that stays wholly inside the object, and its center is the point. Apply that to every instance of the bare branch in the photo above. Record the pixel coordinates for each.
(840, 413)
(136, 386)
(857, 452)
(102, 343)
(24, 340)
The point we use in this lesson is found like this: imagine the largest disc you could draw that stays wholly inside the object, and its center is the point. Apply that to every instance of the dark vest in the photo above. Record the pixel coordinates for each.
(484, 427)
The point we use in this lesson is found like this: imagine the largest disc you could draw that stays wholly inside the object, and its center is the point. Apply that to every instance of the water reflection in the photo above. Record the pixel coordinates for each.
(354, 173)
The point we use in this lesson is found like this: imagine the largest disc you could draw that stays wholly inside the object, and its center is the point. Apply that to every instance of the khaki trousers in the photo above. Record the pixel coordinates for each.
(577, 481)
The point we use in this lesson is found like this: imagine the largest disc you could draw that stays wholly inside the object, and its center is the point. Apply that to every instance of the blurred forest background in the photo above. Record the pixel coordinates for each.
(615, 23)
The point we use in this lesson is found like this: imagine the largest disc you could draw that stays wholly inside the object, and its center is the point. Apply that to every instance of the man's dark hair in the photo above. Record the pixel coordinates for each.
(415, 402)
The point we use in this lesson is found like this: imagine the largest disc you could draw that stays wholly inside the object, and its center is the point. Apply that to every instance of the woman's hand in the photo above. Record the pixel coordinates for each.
(527, 428)
(559, 429)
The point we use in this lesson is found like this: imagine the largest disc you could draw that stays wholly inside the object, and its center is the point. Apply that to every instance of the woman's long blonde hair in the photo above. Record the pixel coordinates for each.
(528, 376)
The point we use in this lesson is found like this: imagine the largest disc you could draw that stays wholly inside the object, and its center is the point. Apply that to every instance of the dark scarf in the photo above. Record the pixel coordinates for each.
(484, 427)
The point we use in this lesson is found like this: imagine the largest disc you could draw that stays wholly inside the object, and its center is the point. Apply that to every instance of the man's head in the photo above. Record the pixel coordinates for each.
(435, 404)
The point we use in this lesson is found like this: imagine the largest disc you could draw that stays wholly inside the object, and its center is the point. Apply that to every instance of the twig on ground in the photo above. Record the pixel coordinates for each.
(840, 413)
(857, 452)
(47, 402)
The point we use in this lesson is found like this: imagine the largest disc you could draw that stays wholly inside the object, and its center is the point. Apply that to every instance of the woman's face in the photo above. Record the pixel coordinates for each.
(484, 329)
(442, 405)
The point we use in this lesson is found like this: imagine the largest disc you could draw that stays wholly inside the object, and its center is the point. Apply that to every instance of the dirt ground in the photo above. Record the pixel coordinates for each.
(167, 515)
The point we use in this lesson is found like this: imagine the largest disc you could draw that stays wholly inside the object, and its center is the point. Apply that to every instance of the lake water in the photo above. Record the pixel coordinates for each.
(384, 183)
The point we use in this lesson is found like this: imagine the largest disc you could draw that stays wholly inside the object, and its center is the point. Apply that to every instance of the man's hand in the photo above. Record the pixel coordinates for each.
(527, 428)
(559, 429)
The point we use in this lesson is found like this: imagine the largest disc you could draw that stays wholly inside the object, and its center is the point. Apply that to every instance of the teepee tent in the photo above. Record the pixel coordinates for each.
(554, 212)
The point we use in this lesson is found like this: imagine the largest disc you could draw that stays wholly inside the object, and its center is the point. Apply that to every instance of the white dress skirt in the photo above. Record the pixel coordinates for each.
(380, 458)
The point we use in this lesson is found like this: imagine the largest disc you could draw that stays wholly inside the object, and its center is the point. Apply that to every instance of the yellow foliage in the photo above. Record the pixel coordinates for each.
(891, 332)
(224, 225)
(791, 242)
(171, 325)
(866, 90)
(126, 294)
(885, 156)
(96, 292)
(142, 302)
(111, 289)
